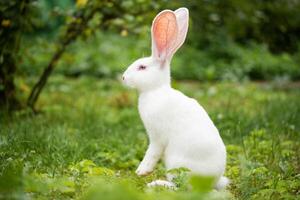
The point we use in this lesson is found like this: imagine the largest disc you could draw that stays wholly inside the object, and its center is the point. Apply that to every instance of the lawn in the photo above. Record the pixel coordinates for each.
(88, 140)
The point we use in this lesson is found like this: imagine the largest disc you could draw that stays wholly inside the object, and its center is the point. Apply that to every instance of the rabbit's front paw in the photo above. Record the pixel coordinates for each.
(143, 170)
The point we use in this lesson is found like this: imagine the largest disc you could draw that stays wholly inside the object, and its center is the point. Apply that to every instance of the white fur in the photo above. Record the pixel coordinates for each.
(179, 129)
(162, 183)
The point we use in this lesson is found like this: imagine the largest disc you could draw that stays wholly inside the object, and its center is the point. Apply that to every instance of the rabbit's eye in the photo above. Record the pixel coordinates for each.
(142, 67)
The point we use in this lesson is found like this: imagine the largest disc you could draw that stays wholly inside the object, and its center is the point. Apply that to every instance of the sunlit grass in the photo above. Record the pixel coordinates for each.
(89, 139)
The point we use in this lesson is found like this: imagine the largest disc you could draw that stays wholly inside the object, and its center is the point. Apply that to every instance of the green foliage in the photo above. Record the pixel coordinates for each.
(274, 23)
(180, 177)
(227, 40)
(89, 140)
(66, 18)
(202, 184)
(235, 62)
(108, 55)
(14, 19)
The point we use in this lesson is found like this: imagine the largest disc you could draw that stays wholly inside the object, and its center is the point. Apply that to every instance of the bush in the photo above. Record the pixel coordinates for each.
(108, 54)
(227, 40)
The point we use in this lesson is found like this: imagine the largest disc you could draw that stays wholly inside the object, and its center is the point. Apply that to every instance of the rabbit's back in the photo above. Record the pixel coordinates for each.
(170, 112)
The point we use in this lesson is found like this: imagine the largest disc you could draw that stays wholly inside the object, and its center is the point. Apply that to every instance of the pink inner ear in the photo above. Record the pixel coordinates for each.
(165, 32)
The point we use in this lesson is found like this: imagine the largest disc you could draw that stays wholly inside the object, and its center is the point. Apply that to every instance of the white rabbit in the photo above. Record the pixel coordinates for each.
(179, 129)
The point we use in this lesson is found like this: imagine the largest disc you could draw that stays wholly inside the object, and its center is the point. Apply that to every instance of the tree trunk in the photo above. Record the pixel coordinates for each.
(74, 30)
(8, 98)
(13, 15)
(37, 88)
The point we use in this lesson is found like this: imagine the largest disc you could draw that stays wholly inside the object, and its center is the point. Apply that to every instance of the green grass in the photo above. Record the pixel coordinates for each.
(88, 140)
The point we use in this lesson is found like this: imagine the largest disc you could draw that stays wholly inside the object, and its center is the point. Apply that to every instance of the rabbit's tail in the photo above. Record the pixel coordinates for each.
(222, 183)
(163, 183)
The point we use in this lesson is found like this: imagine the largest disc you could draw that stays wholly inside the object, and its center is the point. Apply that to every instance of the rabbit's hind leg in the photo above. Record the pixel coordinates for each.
(163, 183)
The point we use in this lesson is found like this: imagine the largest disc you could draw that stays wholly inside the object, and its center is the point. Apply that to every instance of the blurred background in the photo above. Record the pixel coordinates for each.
(70, 130)
(228, 40)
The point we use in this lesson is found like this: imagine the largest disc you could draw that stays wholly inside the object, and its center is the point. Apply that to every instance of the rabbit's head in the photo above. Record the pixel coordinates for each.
(168, 33)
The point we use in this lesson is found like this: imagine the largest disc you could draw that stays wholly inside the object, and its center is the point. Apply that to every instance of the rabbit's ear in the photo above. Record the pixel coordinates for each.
(182, 17)
(164, 35)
